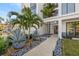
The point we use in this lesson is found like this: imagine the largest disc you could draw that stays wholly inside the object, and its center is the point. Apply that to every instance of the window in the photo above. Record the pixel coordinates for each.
(33, 7)
(72, 28)
(71, 7)
(77, 29)
(68, 8)
(64, 8)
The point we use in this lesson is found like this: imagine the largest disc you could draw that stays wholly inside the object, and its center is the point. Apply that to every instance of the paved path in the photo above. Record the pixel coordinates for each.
(44, 49)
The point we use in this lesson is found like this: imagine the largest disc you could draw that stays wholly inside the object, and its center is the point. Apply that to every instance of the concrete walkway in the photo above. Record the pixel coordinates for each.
(44, 49)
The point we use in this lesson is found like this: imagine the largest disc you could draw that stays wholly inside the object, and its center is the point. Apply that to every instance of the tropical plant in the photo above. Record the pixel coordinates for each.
(1, 19)
(26, 19)
(49, 9)
(18, 38)
(32, 20)
(18, 20)
(3, 45)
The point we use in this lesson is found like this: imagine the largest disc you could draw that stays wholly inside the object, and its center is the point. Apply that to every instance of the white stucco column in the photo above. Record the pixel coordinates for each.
(39, 7)
(60, 29)
(59, 9)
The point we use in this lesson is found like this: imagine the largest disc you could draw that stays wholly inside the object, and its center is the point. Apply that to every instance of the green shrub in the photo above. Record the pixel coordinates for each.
(9, 42)
(3, 45)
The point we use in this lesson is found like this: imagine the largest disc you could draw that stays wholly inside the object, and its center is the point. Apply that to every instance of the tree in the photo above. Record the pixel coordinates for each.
(1, 19)
(26, 19)
(32, 20)
(18, 20)
(49, 9)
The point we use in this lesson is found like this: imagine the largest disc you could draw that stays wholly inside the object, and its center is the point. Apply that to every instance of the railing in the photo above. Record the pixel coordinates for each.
(70, 35)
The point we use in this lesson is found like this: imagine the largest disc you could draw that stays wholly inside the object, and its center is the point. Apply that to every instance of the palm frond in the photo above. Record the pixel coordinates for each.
(49, 9)
(12, 13)
(1, 19)
(26, 19)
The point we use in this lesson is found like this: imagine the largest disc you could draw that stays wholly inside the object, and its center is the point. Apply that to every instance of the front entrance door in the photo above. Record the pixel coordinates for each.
(56, 29)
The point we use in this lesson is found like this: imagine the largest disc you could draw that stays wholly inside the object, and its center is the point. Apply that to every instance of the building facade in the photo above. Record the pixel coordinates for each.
(64, 24)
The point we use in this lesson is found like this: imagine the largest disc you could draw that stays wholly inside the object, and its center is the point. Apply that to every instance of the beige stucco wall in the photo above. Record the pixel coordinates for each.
(43, 29)
(52, 28)
(39, 8)
(77, 7)
(25, 4)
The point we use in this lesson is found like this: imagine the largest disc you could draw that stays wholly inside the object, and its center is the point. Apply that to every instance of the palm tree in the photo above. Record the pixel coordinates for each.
(49, 9)
(26, 19)
(18, 20)
(1, 19)
(32, 20)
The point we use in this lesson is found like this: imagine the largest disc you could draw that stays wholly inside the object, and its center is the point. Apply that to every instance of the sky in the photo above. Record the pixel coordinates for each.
(7, 7)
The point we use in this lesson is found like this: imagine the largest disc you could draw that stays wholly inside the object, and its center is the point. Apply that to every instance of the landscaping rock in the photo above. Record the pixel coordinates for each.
(57, 51)
(26, 49)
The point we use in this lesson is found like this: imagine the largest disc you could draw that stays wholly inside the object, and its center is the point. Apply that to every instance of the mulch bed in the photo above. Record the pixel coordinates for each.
(19, 52)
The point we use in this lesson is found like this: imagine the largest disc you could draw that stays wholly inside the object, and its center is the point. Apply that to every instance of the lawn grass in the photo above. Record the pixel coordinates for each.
(70, 47)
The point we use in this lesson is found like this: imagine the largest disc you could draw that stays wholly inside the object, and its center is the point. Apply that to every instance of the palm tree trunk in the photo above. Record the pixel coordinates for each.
(29, 37)
(29, 33)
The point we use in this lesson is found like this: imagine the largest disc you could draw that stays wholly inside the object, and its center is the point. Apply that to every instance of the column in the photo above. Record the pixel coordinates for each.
(60, 29)
(59, 9)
